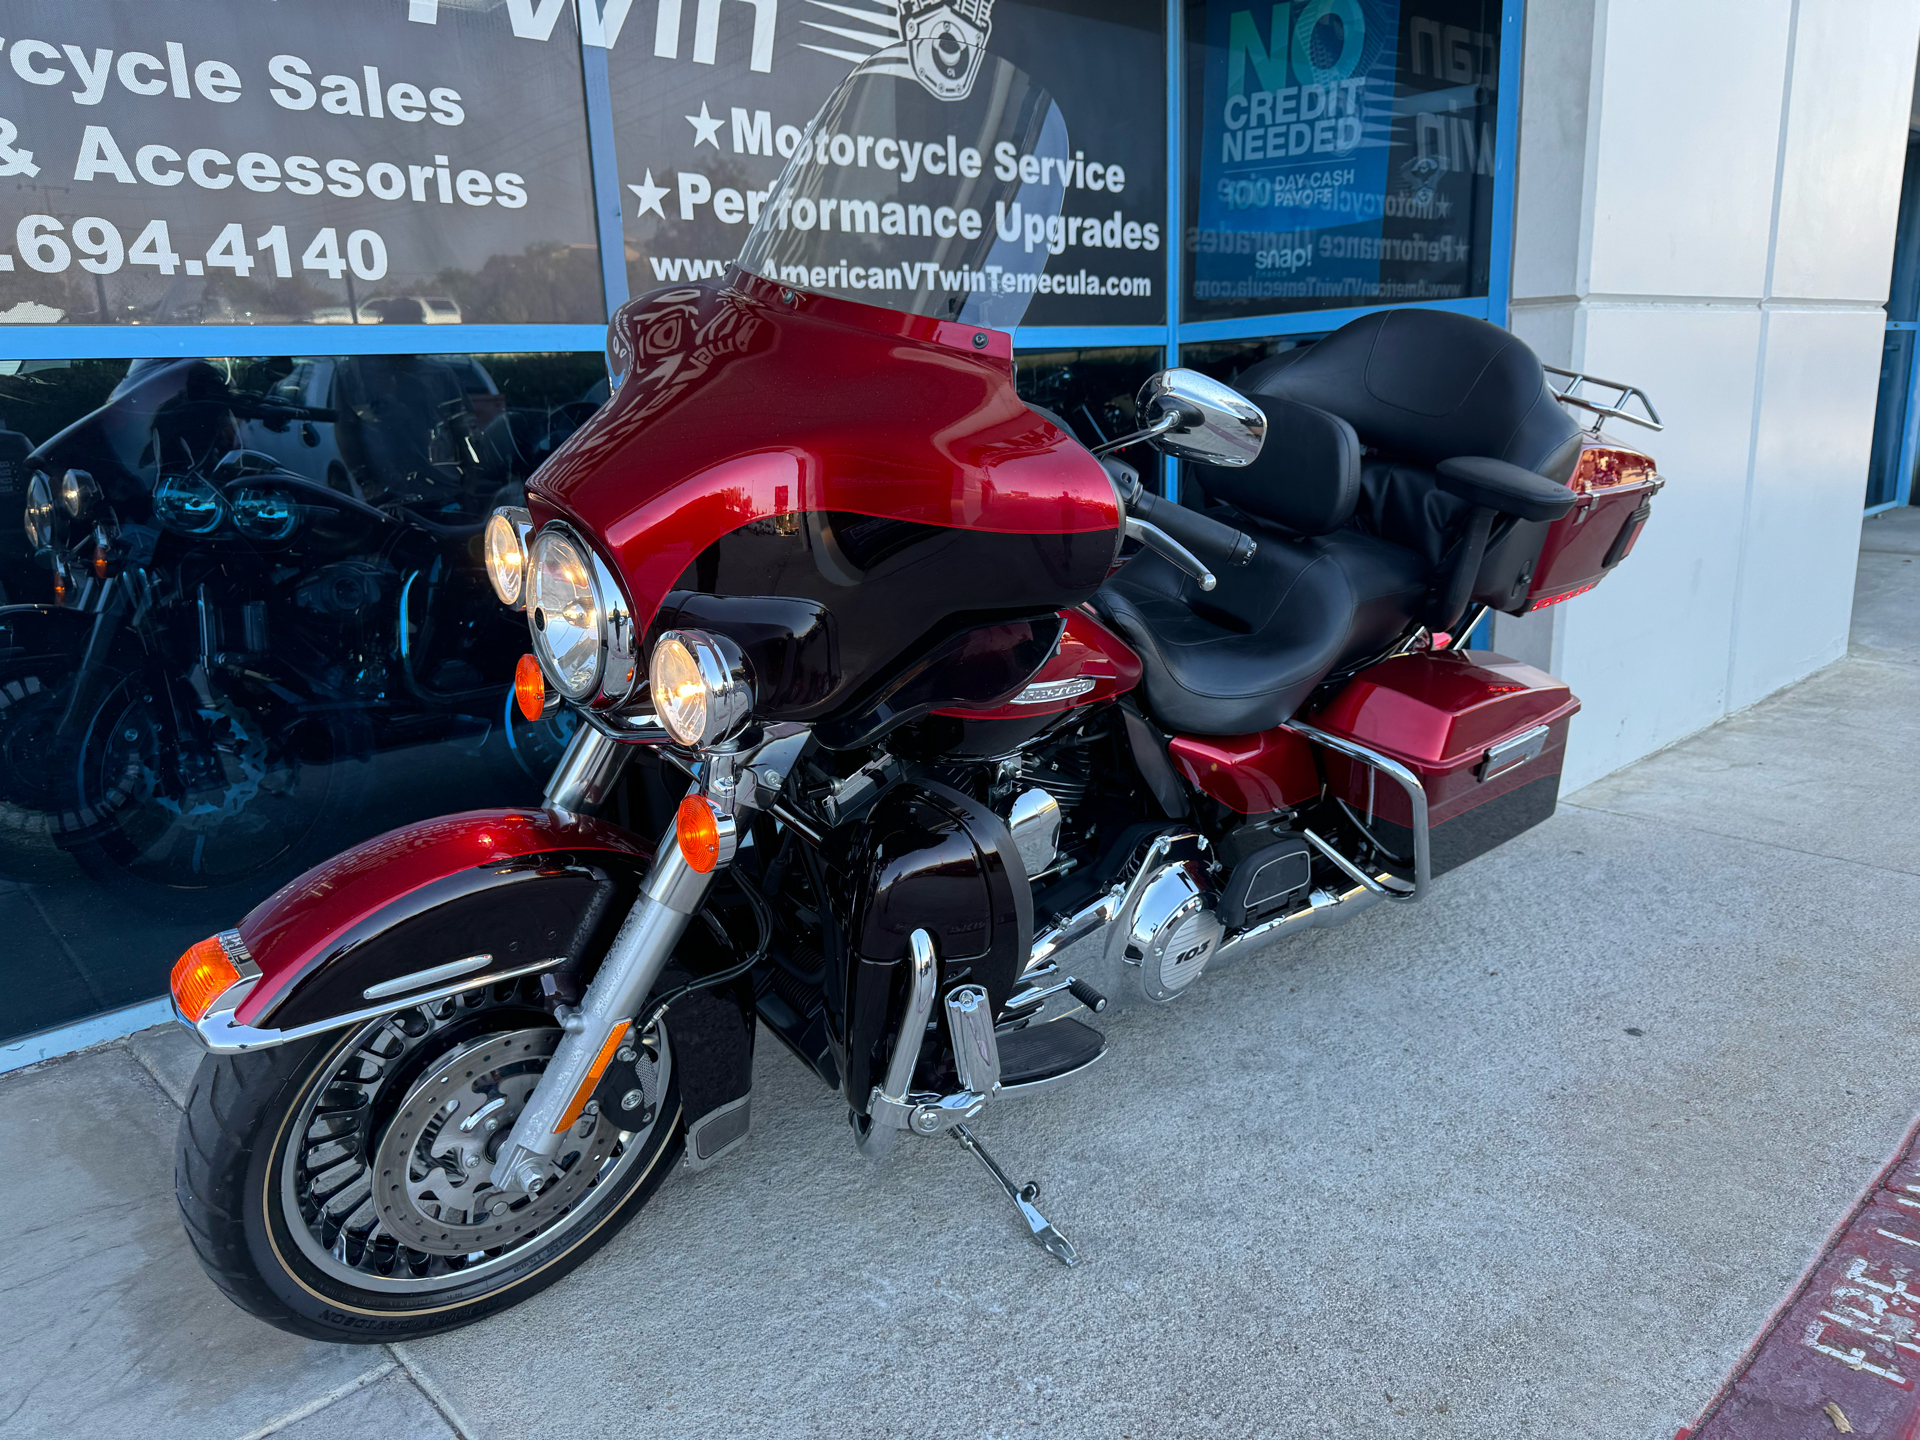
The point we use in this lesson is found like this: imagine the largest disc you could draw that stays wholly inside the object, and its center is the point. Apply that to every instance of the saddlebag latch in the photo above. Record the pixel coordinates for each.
(1514, 751)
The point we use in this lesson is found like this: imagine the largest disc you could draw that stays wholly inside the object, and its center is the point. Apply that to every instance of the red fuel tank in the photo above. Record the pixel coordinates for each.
(1090, 664)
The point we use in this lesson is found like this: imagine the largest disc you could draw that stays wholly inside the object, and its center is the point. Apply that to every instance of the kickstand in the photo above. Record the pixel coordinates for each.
(1024, 1197)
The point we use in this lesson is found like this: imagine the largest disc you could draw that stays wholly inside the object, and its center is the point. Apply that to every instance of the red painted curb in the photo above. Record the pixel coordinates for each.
(1846, 1336)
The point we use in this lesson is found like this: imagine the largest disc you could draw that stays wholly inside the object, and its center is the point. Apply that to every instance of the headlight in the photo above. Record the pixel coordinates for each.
(566, 615)
(507, 553)
(78, 492)
(188, 504)
(39, 513)
(703, 692)
(265, 514)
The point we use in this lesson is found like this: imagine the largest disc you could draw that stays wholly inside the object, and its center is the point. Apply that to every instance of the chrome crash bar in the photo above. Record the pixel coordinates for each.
(1416, 800)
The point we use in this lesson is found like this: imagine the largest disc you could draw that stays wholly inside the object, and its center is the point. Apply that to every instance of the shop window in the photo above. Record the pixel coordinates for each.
(1340, 153)
(1228, 360)
(251, 628)
(1891, 456)
(1092, 390)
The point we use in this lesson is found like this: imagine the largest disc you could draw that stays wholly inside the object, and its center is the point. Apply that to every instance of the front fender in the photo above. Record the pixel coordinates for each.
(33, 632)
(532, 890)
(519, 886)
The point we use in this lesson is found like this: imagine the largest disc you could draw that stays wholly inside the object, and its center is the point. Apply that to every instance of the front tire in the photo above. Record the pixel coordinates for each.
(275, 1171)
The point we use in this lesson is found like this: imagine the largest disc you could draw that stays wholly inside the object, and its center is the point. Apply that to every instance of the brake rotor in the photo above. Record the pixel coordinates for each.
(432, 1169)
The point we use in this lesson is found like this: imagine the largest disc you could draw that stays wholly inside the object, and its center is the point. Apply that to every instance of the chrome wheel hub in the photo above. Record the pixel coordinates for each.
(431, 1172)
(384, 1176)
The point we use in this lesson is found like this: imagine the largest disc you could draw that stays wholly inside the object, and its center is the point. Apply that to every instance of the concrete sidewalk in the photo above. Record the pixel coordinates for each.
(1535, 1158)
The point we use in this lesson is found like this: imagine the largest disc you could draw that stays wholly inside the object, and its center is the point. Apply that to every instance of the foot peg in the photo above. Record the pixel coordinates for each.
(1023, 1197)
(893, 1108)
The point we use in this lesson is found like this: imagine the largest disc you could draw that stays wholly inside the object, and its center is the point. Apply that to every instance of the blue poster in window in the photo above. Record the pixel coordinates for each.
(1345, 153)
(1297, 109)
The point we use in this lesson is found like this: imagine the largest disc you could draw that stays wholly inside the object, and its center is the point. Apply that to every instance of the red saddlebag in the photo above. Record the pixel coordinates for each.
(1485, 734)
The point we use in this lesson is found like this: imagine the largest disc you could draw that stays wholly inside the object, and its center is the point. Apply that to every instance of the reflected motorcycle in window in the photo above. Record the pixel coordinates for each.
(233, 640)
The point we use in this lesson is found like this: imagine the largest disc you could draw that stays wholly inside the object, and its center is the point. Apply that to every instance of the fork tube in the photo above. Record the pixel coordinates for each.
(672, 893)
(587, 771)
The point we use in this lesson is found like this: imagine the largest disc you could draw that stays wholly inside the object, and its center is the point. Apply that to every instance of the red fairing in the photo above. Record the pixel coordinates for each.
(1252, 774)
(1436, 713)
(739, 406)
(303, 921)
(1087, 649)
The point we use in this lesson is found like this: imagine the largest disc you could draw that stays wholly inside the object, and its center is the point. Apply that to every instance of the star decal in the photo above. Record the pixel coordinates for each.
(650, 194)
(706, 128)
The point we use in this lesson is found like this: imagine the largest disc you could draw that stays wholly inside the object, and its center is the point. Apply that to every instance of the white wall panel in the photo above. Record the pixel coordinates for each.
(1803, 527)
(1552, 169)
(1647, 651)
(1690, 112)
(1852, 89)
(1729, 257)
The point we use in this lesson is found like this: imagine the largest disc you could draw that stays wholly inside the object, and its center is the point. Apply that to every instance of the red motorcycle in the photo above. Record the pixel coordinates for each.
(911, 730)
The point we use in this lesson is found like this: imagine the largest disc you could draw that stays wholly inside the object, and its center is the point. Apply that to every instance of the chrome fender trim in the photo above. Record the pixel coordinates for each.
(222, 1035)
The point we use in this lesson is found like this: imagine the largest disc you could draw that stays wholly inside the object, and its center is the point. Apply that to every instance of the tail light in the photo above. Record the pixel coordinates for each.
(1603, 467)
(1547, 600)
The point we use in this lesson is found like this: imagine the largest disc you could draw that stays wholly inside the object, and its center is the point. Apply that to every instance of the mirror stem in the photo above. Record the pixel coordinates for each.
(1169, 420)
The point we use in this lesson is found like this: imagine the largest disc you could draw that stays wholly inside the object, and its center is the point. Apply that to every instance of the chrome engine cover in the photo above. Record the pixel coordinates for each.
(1170, 931)
(1147, 937)
(1167, 927)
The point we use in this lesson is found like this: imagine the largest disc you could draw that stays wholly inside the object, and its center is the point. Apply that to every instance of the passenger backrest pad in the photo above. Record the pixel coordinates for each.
(1307, 477)
(1429, 385)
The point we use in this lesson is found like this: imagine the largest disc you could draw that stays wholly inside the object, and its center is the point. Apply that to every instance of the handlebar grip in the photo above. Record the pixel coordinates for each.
(1206, 537)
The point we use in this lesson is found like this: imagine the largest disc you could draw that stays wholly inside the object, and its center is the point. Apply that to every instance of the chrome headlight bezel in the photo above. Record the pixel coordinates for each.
(78, 493)
(726, 687)
(508, 580)
(38, 515)
(611, 681)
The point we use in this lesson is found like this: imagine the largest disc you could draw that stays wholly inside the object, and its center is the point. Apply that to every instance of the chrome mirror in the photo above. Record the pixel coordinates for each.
(1195, 417)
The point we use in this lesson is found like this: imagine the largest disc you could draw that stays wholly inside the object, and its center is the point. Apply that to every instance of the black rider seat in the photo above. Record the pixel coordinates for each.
(1353, 534)
(1243, 657)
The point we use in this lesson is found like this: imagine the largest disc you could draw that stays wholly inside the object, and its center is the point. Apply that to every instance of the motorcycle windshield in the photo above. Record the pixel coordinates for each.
(930, 183)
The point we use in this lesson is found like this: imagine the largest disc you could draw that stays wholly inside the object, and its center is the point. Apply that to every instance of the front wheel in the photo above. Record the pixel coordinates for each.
(338, 1188)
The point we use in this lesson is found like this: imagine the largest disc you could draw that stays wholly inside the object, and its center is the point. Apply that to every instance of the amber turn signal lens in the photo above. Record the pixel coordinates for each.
(698, 833)
(530, 687)
(200, 976)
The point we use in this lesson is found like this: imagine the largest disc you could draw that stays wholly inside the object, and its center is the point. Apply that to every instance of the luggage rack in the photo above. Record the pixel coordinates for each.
(1614, 409)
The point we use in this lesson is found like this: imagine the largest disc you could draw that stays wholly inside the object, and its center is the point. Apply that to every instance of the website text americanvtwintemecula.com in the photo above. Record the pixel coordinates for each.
(918, 275)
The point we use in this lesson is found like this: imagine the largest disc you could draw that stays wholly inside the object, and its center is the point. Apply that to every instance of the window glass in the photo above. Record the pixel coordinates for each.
(359, 162)
(1340, 153)
(265, 634)
(1091, 390)
(710, 102)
